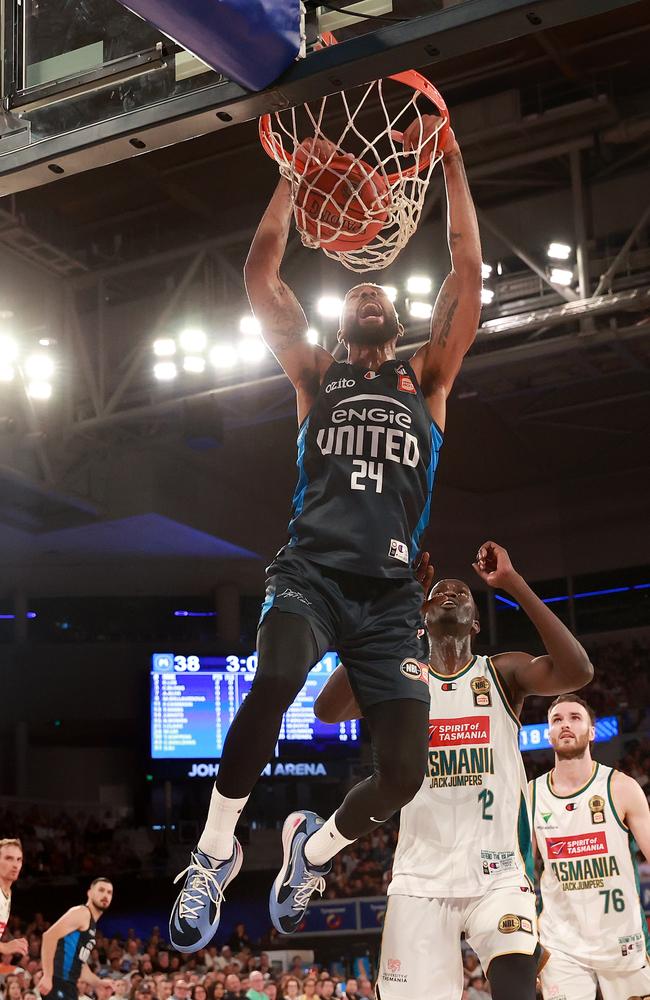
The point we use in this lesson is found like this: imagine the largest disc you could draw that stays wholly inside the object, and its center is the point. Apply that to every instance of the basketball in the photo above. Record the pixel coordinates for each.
(342, 205)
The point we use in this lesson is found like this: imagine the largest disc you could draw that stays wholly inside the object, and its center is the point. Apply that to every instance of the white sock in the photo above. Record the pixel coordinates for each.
(325, 843)
(218, 835)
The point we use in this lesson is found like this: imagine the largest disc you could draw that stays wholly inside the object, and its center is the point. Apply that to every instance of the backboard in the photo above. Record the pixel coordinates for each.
(85, 82)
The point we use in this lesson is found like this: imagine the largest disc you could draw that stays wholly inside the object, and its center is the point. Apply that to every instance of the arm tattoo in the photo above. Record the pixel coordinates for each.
(454, 238)
(445, 326)
(284, 341)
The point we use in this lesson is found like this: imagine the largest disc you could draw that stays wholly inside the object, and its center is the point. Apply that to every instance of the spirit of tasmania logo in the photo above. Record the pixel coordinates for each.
(468, 730)
(577, 847)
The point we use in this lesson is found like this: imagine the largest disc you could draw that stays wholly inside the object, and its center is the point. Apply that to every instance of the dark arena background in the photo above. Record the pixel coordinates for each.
(147, 445)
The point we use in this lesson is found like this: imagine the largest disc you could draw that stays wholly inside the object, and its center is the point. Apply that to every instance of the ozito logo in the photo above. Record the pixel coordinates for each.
(343, 383)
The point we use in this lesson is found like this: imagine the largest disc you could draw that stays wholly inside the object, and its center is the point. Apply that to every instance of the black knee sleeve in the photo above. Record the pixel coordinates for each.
(513, 977)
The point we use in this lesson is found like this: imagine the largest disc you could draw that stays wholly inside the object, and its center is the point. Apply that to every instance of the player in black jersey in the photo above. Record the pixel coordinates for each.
(68, 943)
(370, 431)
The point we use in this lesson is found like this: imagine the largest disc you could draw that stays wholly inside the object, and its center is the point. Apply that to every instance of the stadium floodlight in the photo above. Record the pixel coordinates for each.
(329, 306)
(250, 325)
(486, 296)
(194, 364)
(46, 342)
(390, 291)
(561, 276)
(312, 335)
(193, 340)
(558, 251)
(39, 367)
(165, 371)
(419, 309)
(418, 284)
(8, 349)
(223, 356)
(7, 372)
(165, 347)
(39, 389)
(486, 270)
(251, 350)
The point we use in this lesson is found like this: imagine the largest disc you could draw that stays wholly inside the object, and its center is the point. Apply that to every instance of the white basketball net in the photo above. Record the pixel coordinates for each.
(398, 180)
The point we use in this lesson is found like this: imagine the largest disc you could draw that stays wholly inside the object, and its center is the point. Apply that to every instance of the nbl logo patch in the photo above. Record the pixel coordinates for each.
(510, 923)
(597, 809)
(481, 692)
(414, 670)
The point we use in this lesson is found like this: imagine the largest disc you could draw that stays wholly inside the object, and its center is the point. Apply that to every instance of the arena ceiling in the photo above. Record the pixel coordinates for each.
(109, 257)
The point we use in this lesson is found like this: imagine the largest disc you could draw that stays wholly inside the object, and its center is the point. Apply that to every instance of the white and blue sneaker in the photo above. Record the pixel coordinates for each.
(297, 880)
(195, 916)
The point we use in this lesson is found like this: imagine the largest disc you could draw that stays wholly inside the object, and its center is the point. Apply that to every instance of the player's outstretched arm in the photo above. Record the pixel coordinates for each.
(566, 666)
(17, 946)
(75, 919)
(632, 806)
(283, 322)
(456, 314)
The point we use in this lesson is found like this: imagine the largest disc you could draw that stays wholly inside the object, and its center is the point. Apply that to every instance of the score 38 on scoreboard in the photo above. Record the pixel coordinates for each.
(195, 698)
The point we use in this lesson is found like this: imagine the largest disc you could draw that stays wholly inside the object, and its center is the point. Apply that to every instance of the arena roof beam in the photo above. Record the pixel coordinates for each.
(420, 41)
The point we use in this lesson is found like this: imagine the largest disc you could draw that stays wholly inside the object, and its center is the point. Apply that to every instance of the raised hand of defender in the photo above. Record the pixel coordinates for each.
(424, 572)
(493, 566)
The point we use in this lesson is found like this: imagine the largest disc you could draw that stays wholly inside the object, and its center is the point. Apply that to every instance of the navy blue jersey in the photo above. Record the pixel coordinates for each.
(367, 456)
(73, 951)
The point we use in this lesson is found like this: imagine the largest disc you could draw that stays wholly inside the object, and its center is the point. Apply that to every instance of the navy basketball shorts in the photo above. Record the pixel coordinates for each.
(63, 990)
(374, 624)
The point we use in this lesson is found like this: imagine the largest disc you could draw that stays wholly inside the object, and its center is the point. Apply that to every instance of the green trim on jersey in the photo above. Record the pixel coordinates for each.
(504, 698)
(579, 790)
(525, 841)
(644, 922)
(453, 677)
(611, 802)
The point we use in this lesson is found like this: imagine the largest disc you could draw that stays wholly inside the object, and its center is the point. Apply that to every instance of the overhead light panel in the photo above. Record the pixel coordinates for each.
(329, 306)
(193, 340)
(165, 371)
(7, 372)
(250, 325)
(39, 367)
(39, 389)
(559, 251)
(164, 348)
(486, 296)
(251, 350)
(312, 335)
(8, 348)
(223, 356)
(390, 291)
(419, 309)
(194, 363)
(486, 270)
(418, 284)
(561, 276)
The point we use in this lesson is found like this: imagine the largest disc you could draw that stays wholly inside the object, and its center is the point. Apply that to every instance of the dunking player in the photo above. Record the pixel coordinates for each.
(68, 943)
(370, 432)
(11, 861)
(463, 861)
(586, 817)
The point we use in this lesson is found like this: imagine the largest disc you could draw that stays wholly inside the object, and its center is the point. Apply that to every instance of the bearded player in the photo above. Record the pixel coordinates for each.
(11, 862)
(463, 862)
(370, 430)
(68, 944)
(586, 818)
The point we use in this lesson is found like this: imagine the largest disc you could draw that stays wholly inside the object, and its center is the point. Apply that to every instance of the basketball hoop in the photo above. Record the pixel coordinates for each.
(358, 198)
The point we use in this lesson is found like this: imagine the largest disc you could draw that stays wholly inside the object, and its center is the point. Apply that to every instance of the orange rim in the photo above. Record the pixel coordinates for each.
(410, 78)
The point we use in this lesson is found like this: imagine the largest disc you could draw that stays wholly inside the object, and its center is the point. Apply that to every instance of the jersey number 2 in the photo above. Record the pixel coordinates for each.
(367, 470)
(486, 798)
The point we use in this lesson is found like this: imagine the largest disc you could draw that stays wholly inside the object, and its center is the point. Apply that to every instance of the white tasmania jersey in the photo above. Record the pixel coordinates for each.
(5, 908)
(468, 828)
(590, 906)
